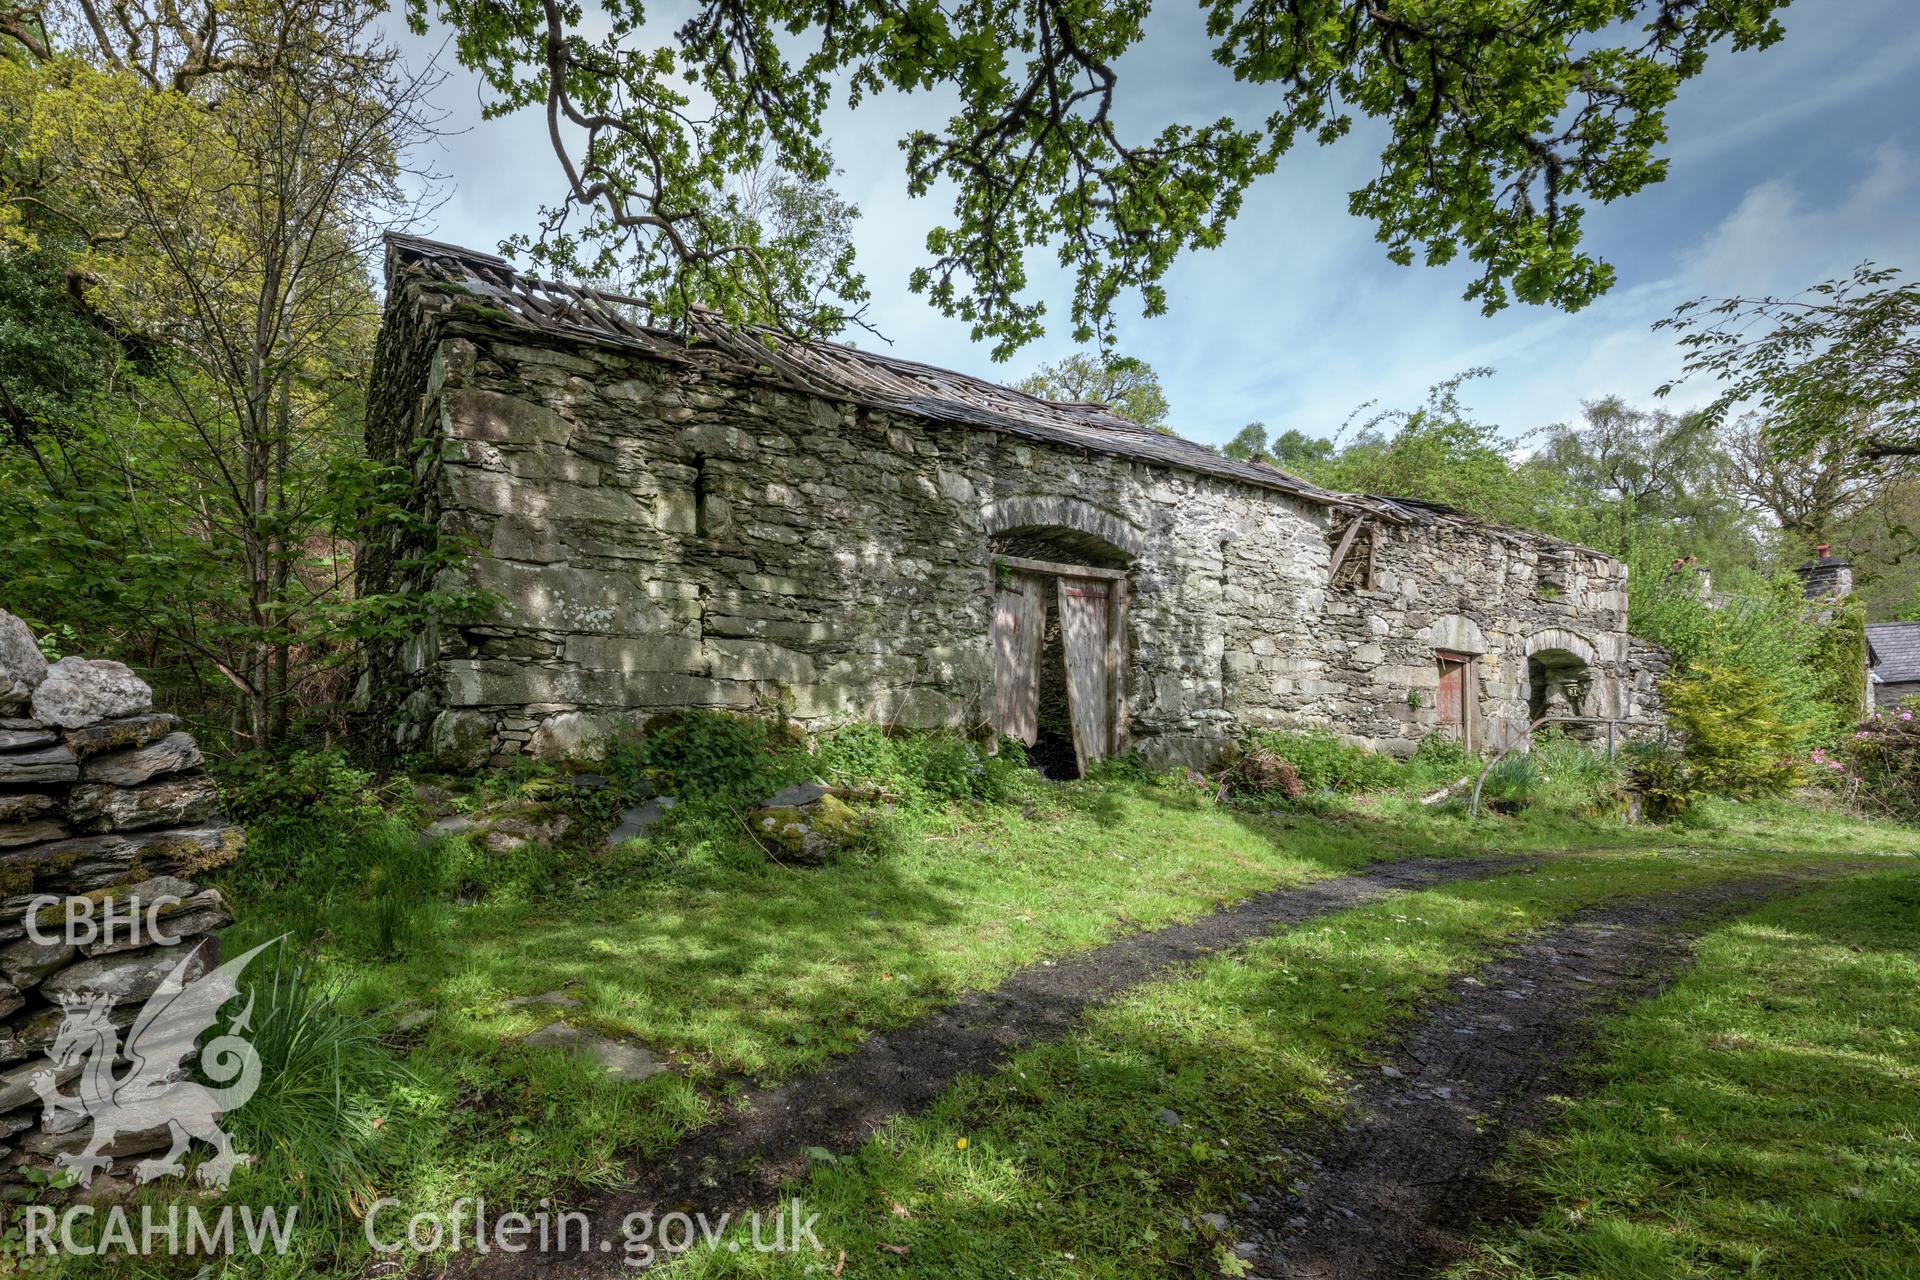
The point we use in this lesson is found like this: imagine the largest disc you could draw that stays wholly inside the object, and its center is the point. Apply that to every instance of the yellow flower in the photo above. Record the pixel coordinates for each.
(962, 1144)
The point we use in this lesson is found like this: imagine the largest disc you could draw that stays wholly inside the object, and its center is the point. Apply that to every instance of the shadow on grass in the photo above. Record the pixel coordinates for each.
(1755, 1120)
(1102, 1153)
(737, 964)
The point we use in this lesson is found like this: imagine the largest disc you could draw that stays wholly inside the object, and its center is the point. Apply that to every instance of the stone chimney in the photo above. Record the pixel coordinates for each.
(1826, 576)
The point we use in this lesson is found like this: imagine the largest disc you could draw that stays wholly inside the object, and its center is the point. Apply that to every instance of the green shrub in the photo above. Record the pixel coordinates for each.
(1575, 776)
(1668, 786)
(1840, 657)
(934, 767)
(1734, 730)
(1514, 783)
(1438, 760)
(521, 778)
(1762, 628)
(1129, 768)
(1324, 763)
(308, 788)
(1757, 680)
(708, 756)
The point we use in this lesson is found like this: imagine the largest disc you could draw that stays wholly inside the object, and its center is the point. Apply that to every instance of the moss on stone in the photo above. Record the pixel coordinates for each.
(808, 833)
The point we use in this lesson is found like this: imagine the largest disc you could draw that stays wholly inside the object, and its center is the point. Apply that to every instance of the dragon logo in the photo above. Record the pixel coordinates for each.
(154, 1091)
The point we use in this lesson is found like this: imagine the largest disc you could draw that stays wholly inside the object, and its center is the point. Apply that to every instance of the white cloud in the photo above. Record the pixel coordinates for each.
(1782, 238)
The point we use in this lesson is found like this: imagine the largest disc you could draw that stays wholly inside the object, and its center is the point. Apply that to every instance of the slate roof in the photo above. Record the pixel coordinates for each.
(1896, 650)
(833, 370)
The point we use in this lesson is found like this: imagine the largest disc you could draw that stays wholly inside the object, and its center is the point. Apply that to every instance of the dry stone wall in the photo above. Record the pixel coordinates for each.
(106, 818)
(657, 537)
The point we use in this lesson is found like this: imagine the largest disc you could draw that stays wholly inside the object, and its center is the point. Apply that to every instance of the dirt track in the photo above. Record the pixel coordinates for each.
(1391, 1193)
(741, 1161)
(1397, 1190)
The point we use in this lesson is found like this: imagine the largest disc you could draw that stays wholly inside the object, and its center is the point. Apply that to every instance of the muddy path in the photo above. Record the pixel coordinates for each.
(1398, 1187)
(742, 1159)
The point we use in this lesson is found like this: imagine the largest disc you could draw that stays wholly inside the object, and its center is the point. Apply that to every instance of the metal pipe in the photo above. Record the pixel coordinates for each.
(1473, 806)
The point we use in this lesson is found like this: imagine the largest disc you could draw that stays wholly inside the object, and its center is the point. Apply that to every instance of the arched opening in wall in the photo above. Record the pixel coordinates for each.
(1558, 681)
(1059, 645)
(1058, 544)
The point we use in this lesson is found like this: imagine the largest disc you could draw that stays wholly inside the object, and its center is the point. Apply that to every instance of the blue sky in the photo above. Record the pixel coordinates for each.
(1787, 167)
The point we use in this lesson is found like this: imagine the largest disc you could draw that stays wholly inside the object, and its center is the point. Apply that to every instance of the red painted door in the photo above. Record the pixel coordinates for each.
(1451, 702)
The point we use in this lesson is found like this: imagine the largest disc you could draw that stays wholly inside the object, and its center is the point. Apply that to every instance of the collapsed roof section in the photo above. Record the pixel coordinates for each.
(836, 371)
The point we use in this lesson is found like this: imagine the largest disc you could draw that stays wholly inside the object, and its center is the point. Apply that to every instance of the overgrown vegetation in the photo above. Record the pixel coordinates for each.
(1322, 762)
(1313, 769)
(1878, 767)
(1757, 683)
(328, 1090)
(693, 943)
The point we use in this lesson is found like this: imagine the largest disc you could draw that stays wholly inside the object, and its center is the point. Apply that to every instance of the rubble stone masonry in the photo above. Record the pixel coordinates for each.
(105, 816)
(657, 536)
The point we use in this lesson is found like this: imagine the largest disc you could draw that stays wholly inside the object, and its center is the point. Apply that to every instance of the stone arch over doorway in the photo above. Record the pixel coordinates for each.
(1559, 673)
(1049, 527)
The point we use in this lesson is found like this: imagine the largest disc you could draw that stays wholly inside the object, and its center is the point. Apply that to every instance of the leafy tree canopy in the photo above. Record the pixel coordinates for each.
(1504, 119)
(1439, 453)
(1835, 369)
(52, 357)
(1292, 450)
(1643, 457)
(206, 184)
(1882, 539)
(1646, 484)
(1124, 384)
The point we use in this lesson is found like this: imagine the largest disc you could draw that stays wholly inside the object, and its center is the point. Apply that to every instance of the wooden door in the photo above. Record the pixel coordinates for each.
(1019, 618)
(1455, 691)
(1083, 633)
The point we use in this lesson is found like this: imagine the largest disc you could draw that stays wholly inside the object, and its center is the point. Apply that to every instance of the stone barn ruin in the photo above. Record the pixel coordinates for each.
(829, 534)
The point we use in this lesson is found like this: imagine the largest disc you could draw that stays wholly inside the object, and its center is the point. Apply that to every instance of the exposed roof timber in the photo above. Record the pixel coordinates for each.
(835, 371)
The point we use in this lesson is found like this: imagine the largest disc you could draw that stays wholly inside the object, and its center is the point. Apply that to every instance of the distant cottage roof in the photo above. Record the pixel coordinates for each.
(834, 370)
(1896, 651)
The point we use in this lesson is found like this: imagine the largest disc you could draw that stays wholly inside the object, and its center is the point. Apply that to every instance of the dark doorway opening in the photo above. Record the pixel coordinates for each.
(1052, 750)
(1059, 647)
(1557, 683)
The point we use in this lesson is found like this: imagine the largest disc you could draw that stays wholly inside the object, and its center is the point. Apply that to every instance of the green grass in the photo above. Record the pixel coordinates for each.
(1067, 1168)
(732, 966)
(750, 967)
(1761, 1119)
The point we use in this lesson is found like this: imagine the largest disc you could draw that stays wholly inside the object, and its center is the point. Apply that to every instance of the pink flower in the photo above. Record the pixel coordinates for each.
(1906, 715)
